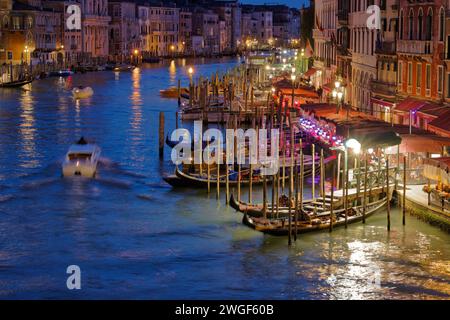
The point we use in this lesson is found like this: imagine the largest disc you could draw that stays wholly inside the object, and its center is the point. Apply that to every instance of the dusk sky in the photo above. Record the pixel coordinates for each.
(291, 3)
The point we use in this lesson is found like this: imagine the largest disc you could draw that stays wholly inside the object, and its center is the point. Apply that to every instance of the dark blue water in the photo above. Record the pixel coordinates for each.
(134, 237)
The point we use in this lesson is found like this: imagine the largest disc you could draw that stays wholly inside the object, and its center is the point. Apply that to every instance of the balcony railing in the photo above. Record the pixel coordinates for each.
(387, 48)
(415, 47)
(343, 16)
(384, 88)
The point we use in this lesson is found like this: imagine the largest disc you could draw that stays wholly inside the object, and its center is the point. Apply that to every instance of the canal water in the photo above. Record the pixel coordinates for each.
(134, 237)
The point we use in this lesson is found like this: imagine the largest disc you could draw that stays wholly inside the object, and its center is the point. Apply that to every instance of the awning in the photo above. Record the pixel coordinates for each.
(328, 87)
(433, 110)
(441, 125)
(310, 72)
(319, 109)
(383, 102)
(300, 92)
(377, 139)
(410, 105)
(420, 143)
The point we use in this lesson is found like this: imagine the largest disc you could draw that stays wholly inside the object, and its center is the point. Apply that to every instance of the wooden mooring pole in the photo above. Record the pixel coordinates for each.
(366, 169)
(388, 203)
(332, 195)
(404, 192)
(161, 135)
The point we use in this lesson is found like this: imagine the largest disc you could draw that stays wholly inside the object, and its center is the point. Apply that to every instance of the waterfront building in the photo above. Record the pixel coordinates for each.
(257, 25)
(324, 34)
(343, 55)
(364, 61)
(14, 37)
(161, 31)
(124, 36)
(71, 46)
(225, 26)
(30, 32)
(286, 23)
(95, 27)
(421, 49)
(205, 23)
(185, 31)
(384, 86)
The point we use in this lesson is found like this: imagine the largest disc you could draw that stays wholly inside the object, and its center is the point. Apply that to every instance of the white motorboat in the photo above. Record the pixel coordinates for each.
(81, 160)
(82, 92)
(60, 73)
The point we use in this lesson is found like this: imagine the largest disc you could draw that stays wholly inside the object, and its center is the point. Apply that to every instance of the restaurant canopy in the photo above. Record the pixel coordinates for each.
(300, 92)
(421, 143)
(382, 139)
(441, 125)
(310, 72)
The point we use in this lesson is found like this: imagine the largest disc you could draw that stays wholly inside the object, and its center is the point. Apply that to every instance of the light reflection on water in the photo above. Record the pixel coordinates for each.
(134, 237)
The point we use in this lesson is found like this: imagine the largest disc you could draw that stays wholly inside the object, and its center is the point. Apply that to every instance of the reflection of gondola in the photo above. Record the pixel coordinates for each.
(316, 221)
(15, 84)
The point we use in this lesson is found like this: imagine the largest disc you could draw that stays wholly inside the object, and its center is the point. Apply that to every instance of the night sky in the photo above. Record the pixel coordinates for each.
(290, 3)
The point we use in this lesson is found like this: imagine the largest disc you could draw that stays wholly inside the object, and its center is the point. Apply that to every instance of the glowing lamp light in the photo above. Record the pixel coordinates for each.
(293, 77)
(370, 150)
(136, 51)
(293, 70)
(267, 67)
(190, 70)
(339, 95)
(337, 84)
(334, 93)
(354, 145)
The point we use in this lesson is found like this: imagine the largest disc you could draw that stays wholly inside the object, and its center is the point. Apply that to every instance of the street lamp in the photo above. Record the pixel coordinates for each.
(293, 88)
(191, 93)
(338, 95)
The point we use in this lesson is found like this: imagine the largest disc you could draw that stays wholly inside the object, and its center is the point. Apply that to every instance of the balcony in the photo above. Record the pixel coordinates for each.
(386, 48)
(383, 88)
(343, 17)
(415, 47)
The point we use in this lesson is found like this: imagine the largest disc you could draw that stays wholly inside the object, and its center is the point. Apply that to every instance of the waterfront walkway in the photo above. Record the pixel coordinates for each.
(416, 203)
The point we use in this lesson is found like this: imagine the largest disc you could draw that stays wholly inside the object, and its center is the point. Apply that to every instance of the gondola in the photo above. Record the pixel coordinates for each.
(15, 84)
(182, 179)
(256, 210)
(319, 222)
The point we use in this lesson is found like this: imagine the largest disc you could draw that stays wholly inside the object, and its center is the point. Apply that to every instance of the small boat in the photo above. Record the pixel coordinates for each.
(313, 221)
(123, 67)
(81, 160)
(60, 73)
(151, 60)
(184, 180)
(82, 92)
(172, 92)
(16, 84)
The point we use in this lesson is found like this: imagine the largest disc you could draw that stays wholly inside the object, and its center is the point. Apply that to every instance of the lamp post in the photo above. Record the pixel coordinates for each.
(355, 145)
(136, 56)
(293, 77)
(338, 95)
(190, 72)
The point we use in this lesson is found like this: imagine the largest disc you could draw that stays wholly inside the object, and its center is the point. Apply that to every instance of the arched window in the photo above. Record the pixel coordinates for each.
(441, 24)
(401, 24)
(5, 22)
(411, 24)
(420, 25)
(429, 25)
